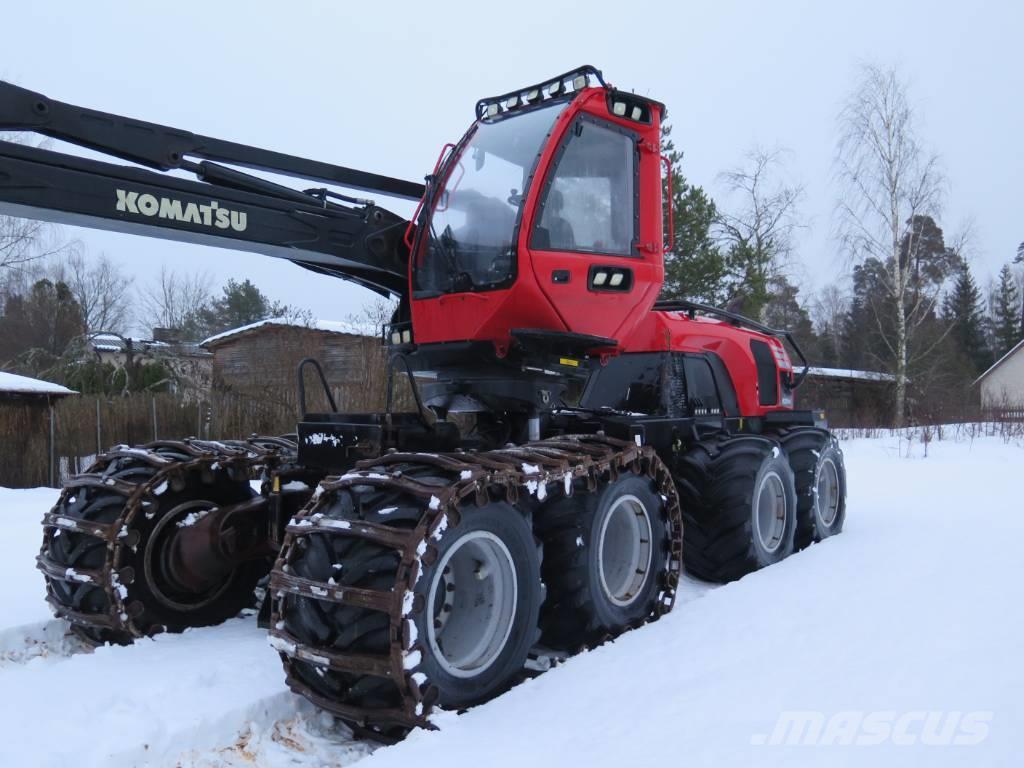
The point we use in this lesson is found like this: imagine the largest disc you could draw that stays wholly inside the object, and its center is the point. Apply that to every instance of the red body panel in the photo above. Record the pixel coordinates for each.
(676, 332)
(534, 301)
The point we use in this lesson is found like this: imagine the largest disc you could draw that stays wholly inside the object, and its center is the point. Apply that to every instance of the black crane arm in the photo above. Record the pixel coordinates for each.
(353, 239)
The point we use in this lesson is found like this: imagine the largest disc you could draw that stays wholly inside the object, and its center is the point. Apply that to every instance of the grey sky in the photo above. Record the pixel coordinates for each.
(382, 86)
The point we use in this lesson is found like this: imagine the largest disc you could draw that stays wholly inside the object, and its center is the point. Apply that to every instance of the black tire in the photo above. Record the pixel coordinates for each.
(353, 562)
(350, 561)
(820, 475)
(720, 483)
(582, 608)
(78, 550)
(503, 528)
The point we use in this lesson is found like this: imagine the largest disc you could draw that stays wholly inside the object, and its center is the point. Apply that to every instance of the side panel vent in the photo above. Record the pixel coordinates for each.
(767, 373)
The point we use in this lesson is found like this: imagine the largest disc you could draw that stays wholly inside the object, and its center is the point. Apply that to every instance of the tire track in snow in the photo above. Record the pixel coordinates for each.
(50, 640)
(143, 704)
(311, 737)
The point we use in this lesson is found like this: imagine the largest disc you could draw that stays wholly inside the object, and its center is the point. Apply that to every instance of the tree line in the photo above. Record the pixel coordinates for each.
(909, 303)
(57, 303)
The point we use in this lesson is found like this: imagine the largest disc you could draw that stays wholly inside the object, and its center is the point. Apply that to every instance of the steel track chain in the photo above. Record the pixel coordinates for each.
(172, 460)
(538, 468)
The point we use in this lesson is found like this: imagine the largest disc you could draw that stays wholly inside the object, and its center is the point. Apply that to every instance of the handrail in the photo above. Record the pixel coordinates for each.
(323, 380)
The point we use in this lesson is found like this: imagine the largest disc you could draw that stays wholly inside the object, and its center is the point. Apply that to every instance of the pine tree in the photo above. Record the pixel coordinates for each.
(38, 326)
(241, 303)
(694, 266)
(963, 308)
(1006, 313)
(783, 310)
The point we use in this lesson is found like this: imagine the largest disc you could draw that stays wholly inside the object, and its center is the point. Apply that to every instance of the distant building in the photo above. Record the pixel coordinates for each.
(1002, 386)
(849, 397)
(25, 429)
(261, 359)
(189, 365)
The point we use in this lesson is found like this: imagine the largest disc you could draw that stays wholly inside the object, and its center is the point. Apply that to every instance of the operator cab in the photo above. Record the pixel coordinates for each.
(547, 216)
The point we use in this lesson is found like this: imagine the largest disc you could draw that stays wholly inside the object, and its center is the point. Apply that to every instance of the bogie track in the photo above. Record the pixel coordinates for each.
(351, 588)
(121, 544)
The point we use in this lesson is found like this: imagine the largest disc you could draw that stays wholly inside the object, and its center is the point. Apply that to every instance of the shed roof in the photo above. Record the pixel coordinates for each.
(849, 373)
(12, 383)
(328, 326)
(112, 342)
(1017, 348)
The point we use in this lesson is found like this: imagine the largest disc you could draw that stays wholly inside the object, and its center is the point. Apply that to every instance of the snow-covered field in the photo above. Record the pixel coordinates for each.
(900, 642)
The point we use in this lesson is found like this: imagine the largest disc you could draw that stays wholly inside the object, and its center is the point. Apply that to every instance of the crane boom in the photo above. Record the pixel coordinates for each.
(353, 239)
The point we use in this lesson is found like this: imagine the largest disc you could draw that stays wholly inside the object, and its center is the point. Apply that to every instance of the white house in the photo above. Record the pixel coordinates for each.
(1002, 385)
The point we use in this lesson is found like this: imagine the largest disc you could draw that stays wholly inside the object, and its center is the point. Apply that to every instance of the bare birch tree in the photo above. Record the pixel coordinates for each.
(890, 184)
(174, 300)
(23, 241)
(758, 229)
(100, 288)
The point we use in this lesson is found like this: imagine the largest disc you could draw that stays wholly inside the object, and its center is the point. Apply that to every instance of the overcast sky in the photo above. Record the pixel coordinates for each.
(381, 86)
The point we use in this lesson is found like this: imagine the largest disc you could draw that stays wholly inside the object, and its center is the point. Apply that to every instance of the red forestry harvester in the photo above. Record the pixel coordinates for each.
(574, 440)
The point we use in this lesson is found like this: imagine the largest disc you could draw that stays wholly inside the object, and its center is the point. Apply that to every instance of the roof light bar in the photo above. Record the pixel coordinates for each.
(570, 83)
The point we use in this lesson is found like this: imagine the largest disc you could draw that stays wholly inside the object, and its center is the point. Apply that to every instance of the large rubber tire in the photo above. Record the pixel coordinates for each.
(582, 609)
(820, 475)
(77, 550)
(350, 561)
(506, 536)
(721, 482)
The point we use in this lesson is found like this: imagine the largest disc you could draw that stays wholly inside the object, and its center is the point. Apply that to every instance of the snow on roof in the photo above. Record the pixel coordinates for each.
(331, 326)
(849, 373)
(12, 382)
(1001, 360)
(111, 342)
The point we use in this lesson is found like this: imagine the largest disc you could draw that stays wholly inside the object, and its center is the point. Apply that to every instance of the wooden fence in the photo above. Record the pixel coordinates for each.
(34, 452)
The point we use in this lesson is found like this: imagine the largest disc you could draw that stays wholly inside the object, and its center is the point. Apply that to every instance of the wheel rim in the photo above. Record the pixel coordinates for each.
(770, 512)
(827, 492)
(173, 577)
(473, 598)
(624, 550)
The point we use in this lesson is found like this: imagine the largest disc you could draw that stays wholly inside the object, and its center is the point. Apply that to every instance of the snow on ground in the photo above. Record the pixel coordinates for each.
(899, 642)
(22, 512)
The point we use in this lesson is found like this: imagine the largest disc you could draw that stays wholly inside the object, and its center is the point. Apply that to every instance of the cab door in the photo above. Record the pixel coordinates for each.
(587, 244)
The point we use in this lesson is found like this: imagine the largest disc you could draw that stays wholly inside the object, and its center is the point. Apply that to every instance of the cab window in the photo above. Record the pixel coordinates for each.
(589, 200)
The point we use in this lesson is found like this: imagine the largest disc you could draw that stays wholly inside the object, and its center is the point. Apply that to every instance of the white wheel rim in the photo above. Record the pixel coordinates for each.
(770, 512)
(471, 604)
(624, 550)
(826, 491)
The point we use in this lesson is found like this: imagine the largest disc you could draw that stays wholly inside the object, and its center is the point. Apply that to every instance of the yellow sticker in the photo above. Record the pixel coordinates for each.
(277, 484)
(569, 361)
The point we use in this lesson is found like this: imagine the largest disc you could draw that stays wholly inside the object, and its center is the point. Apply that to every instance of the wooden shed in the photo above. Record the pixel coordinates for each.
(261, 360)
(849, 398)
(27, 457)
